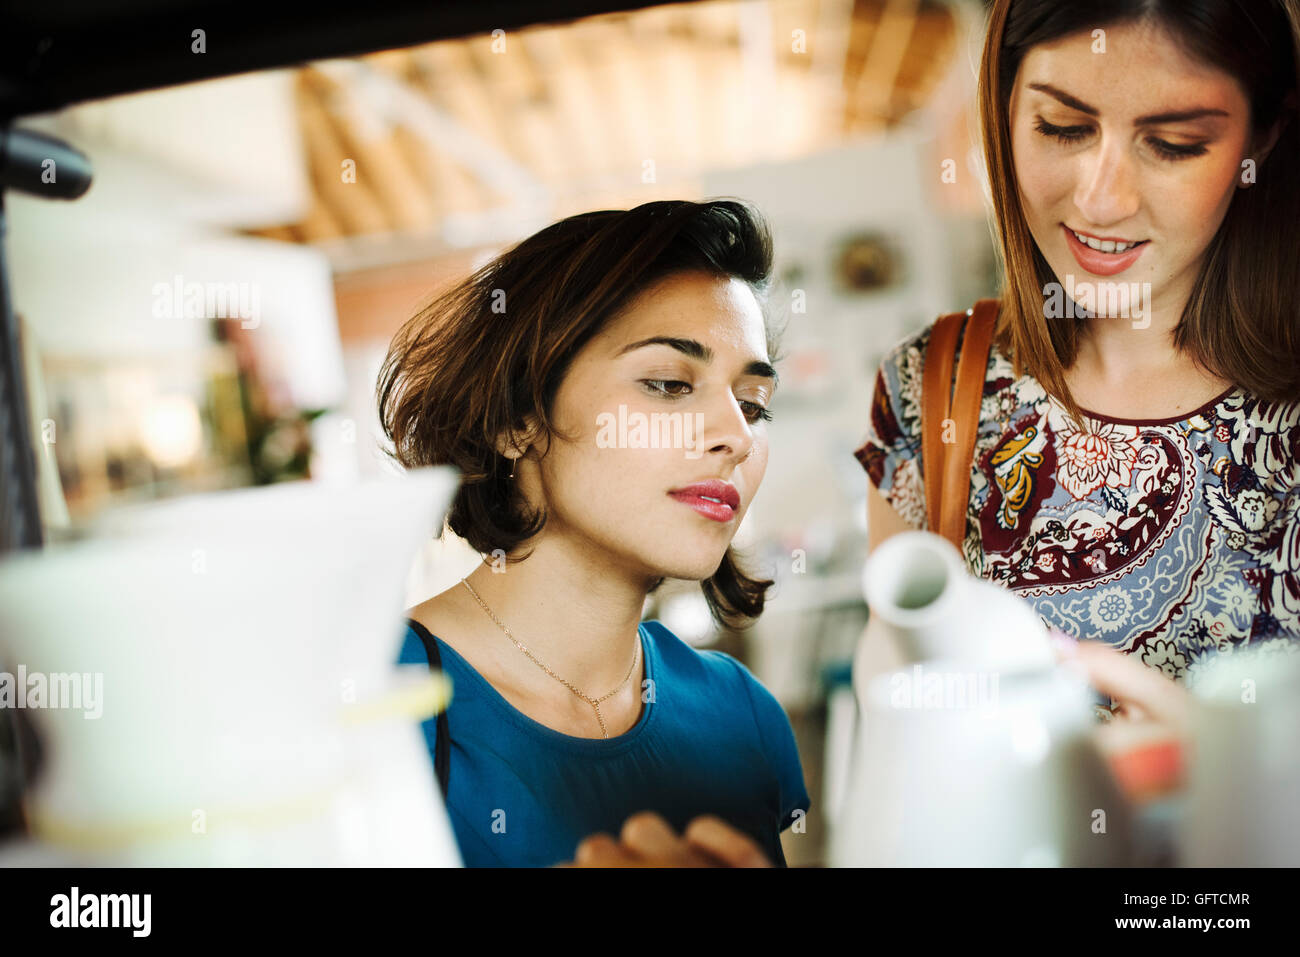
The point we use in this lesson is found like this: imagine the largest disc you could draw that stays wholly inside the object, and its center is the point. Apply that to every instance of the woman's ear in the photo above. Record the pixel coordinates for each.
(516, 443)
(1262, 146)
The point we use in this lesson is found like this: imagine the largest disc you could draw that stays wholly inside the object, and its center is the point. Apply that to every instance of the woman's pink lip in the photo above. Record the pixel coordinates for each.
(713, 488)
(718, 511)
(1098, 263)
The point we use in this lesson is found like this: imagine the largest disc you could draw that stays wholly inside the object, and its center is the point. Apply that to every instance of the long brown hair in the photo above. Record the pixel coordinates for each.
(492, 351)
(1241, 318)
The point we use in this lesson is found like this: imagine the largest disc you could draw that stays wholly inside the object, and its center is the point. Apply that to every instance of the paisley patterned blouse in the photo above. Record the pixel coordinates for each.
(1172, 539)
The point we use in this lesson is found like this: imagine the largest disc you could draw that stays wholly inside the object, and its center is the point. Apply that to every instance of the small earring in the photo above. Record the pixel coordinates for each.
(513, 463)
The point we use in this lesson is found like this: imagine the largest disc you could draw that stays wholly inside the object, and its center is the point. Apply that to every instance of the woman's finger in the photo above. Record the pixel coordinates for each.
(601, 850)
(653, 840)
(1142, 691)
(722, 841)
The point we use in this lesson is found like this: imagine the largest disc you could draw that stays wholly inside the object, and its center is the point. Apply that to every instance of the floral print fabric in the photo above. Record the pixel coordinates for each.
(1174, 540)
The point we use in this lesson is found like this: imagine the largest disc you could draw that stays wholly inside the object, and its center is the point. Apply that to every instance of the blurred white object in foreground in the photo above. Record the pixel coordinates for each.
(1244, 778)
(251, 712)
(979, 750)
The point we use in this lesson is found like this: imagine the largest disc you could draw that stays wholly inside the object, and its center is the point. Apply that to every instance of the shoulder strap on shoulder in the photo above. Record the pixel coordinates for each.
(947, 465)
(441, 758)
(936, 379)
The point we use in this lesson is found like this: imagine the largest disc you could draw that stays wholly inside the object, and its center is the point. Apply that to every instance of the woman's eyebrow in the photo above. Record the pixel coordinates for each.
(1151, 119)
(698, 350)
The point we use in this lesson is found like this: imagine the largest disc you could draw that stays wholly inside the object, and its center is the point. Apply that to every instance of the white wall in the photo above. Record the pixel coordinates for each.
(811, 205)
(814, 493)
(175, 170)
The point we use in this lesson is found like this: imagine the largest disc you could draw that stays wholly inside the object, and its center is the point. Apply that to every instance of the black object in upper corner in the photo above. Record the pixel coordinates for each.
(54, 53)
(441, 765)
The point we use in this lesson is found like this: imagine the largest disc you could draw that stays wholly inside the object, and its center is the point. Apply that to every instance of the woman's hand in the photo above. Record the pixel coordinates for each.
(1143, 693)
(1149, 744)
(647, 840)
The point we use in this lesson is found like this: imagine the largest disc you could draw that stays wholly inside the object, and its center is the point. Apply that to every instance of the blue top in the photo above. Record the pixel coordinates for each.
(710, 740)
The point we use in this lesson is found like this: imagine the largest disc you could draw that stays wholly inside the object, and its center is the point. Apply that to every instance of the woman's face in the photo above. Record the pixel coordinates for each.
(1137, 144)
(659, 415)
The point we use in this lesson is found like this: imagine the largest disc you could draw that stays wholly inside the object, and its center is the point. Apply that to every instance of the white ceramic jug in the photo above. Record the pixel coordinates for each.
(979, 750)
(250, 711)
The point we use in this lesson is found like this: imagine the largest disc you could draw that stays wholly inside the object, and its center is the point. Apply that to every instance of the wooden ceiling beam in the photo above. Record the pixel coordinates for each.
(352, 204)
(568, 115)
(671, 61)
(874, 92)
(360, 100)
(464, 123)
(561, 53)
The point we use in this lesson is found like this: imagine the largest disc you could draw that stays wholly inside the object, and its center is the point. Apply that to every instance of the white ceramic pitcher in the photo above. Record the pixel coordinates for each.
(979, 751)
(251, 711)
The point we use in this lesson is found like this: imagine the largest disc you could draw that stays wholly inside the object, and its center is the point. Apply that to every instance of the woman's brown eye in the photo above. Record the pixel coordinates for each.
(754, 411)
(1066, 134)
(669, 388)
(1171, 151)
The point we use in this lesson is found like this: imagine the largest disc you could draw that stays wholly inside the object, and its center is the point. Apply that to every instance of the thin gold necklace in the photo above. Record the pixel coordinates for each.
(594, 702)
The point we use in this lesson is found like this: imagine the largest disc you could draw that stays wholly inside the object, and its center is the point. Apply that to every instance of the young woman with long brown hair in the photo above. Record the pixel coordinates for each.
(1135, 468)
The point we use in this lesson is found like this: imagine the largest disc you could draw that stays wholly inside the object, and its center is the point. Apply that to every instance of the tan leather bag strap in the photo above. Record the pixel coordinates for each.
(947, 465)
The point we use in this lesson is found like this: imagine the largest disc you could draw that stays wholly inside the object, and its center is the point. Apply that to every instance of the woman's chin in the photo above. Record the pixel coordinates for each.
(694, 567)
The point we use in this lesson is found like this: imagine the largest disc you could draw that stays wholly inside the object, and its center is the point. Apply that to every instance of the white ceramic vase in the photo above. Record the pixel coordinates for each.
(250, 709)
(979, 750)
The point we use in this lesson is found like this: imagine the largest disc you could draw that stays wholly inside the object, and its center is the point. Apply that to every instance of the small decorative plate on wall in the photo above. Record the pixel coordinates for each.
(867, 262)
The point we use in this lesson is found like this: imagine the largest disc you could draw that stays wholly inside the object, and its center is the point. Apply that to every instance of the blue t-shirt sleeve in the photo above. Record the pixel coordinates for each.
(776, 738)
(414, 653)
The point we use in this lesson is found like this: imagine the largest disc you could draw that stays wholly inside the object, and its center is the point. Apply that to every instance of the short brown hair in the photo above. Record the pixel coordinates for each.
(1241, 318)
(461, 372)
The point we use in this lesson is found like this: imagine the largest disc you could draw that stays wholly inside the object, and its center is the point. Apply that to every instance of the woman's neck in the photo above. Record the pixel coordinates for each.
(1122, 349)
(1129, 369)
(572, 610)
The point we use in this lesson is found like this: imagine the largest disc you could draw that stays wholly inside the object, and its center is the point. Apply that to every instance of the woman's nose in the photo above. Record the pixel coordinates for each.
(728, 431)
(1107, 189)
